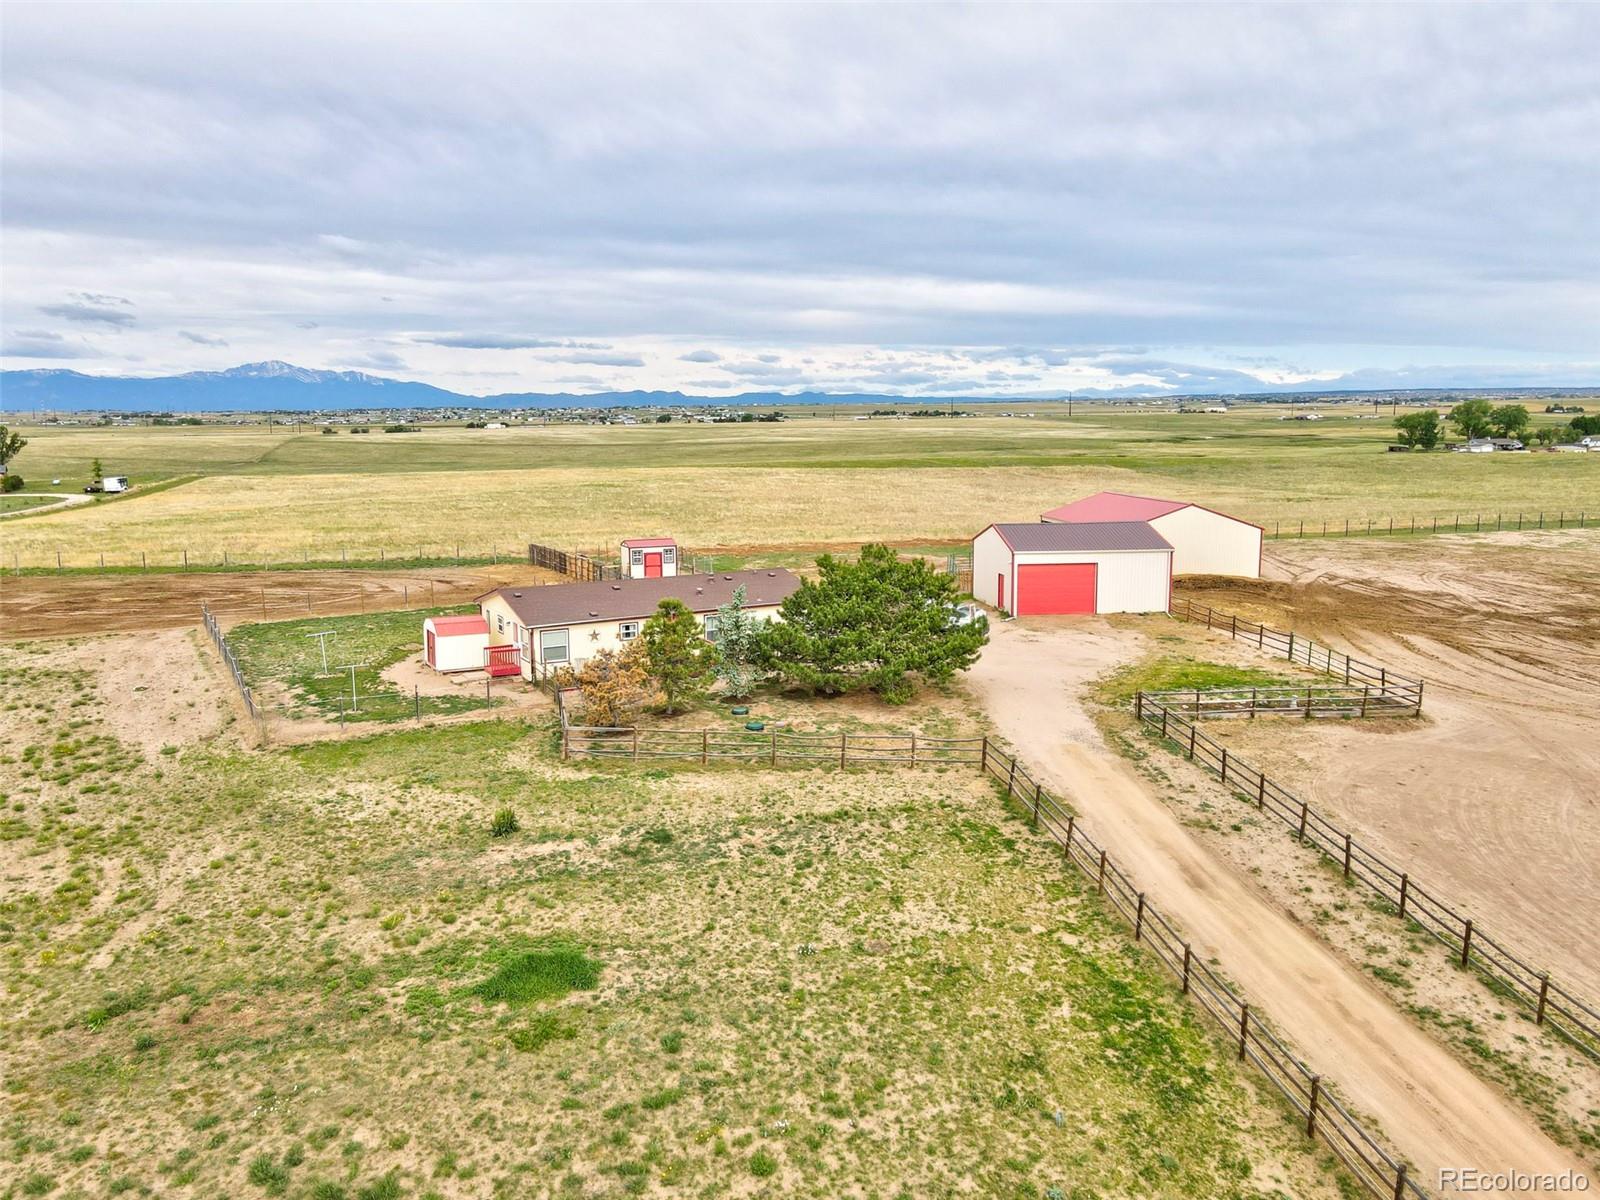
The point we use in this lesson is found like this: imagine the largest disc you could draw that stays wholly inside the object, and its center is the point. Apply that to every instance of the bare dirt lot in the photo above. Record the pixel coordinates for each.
(1494, 798)
(51, 606)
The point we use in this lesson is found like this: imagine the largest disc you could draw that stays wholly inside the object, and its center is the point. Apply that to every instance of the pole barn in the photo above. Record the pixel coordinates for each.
(1204, 541)
(1041, 569)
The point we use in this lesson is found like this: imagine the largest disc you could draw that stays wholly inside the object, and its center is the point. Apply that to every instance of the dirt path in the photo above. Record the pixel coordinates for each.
(1436, 1110)
(62, 500)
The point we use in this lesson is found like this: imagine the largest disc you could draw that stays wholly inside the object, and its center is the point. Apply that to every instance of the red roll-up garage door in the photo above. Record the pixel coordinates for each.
(1049, 588)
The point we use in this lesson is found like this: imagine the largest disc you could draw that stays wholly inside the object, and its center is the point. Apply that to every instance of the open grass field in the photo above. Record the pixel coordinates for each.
(817, 479)
(314, 973)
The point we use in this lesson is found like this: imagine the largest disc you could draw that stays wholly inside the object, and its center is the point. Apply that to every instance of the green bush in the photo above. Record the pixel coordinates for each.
(504, 824)
(11, 483)
(763, 1165)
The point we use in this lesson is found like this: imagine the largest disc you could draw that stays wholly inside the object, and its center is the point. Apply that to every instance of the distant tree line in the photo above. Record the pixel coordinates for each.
(1471, 419)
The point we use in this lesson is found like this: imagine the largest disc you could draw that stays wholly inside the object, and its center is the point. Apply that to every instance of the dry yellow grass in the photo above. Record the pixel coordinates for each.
(291, 515)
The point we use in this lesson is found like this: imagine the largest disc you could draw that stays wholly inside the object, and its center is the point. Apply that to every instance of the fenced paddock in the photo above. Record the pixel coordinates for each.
(1573, 1018)
(1297, 648)
(1378, 1170)
(1316, 700)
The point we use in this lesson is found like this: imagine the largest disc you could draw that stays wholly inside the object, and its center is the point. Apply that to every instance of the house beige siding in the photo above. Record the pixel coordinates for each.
(1208, 543)
(584, 640)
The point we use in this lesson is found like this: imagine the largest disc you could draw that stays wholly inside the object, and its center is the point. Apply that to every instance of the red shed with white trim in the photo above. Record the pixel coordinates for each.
(455, 643)
(1204, 541)
(1043, 569)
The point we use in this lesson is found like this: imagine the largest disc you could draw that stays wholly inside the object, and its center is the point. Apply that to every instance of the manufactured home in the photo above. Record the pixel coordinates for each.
(566, 624)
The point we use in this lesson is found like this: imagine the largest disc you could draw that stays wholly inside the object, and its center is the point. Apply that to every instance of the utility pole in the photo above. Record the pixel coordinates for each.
(1069, 406)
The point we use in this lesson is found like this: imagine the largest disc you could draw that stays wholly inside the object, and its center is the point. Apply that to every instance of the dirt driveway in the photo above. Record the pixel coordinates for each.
(1437, 1111)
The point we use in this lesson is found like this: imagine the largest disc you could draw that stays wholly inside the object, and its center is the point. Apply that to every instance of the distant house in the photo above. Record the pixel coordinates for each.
(1571, 447)
(1506, 443)
(566, 624)
(1478, 446)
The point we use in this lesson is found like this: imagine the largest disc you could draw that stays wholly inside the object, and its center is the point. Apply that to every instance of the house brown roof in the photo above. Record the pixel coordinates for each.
(1087, 537)
(629, 599)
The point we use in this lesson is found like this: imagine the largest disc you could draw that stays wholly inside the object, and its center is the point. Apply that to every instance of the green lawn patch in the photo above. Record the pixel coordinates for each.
(1179, 673)
(285, 652)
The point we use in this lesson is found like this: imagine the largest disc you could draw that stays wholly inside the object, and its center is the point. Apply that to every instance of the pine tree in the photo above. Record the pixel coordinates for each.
(681, 661)
(738, 640)
(873, 624)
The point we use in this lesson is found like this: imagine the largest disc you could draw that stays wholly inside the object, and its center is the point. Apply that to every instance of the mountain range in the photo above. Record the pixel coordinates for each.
(284, 387)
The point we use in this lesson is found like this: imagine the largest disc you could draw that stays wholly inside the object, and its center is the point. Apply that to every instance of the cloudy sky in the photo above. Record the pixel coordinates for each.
(920, 200)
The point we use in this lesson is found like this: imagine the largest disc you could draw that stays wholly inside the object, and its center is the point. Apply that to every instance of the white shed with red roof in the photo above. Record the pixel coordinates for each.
(455, 643)
(1050, 570)
(1204, 541)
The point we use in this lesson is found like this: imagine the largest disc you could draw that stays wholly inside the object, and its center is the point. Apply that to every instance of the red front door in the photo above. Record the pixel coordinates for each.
(652, 564)
(1052, 588)
(1000, 591)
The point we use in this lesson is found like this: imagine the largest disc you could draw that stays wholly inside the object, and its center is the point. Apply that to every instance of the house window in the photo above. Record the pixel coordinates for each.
(666, 554)
(713, 634)
(499, 623)
(554, 646)
(628, 630)
(636, 557)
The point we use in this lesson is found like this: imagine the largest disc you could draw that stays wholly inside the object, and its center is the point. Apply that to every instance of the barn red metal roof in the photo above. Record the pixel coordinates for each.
(1084, 536)
(456, 626)
(1114, 506)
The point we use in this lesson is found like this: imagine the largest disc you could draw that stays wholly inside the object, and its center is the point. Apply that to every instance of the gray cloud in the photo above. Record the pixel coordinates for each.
(378, 360)
(700, 356)
(92, 308)
(489, 341)
(1206, 187)
(41, 343)
(597, 359)
(200, 339)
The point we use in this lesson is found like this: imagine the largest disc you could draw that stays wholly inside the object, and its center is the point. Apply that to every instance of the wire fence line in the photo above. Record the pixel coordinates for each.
(232, 664)
(772, 746)
(1379, 1170)
(1297, 648)
(1575, 1019)
(1457, 523)
(168, 561)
